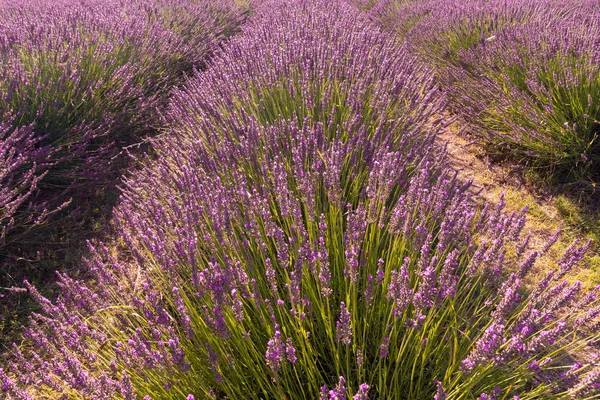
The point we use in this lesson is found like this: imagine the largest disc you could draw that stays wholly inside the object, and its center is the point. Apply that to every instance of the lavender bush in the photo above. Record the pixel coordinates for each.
(87, 78)
(440, 30)
(300, 237)
(540, 82)
(522, 73)
(297, 78)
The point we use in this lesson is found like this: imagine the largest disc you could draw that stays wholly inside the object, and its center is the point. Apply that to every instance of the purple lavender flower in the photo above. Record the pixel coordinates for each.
(362, 393)
(485, 348)
(399, 289)
(440, 394)
(290, 351)
(359, 358)
(276, 352)
(344, 326)
(107, 68)
(340, 391)
(384, 347)
(324, 394)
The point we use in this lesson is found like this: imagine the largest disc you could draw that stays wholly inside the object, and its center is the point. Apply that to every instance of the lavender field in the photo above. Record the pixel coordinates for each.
(300, 199)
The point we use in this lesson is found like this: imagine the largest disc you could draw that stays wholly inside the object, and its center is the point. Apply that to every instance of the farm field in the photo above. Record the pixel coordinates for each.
(300, 199)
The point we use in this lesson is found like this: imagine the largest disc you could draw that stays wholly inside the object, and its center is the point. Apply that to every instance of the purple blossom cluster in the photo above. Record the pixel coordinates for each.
(22, 169)
(299, 235)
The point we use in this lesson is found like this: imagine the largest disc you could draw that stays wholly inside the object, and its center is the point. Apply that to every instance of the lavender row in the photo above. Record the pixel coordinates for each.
(86, 78)
(523, 74)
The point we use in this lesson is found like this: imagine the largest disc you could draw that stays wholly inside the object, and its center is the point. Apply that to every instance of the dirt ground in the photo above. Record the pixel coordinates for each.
(548, 211)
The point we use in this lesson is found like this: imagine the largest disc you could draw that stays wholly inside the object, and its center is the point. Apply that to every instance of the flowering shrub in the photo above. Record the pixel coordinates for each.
(274, 74)
(87, 77)
(299, 237)
(523, 73)
(21, 168)
(440, 30)
(540, 82)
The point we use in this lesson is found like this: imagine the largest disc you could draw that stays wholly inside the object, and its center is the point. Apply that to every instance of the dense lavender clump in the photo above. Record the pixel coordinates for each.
(523, 73)
(534, 89)
(440, 30)
(359, 77)
(86, 77)
(299, 237)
